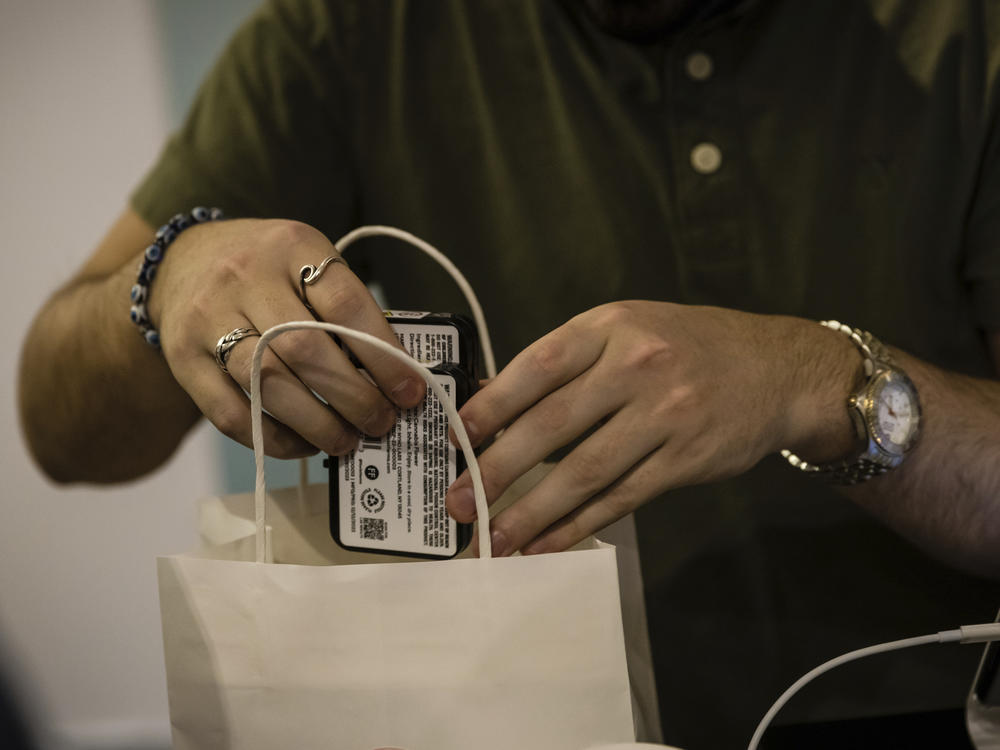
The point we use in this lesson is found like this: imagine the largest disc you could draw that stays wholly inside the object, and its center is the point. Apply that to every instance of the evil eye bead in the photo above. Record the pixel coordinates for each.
(180, 222)
(152, 256)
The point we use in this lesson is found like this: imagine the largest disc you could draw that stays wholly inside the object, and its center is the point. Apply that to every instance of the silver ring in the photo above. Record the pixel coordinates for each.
(227, 342)
(309, 275)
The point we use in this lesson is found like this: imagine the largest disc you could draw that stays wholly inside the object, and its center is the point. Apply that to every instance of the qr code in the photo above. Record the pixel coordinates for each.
(373, 528)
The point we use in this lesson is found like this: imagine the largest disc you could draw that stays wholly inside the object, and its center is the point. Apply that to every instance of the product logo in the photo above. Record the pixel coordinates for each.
(372, 500)
(371, 471)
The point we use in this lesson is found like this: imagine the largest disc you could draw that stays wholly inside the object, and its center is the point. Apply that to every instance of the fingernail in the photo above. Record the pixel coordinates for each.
(501, 546)
(407, 393)
(462, 503)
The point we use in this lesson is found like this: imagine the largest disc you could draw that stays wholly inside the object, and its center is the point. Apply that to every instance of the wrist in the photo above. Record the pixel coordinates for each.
(885, 412)
(826, 369)
(153, 255)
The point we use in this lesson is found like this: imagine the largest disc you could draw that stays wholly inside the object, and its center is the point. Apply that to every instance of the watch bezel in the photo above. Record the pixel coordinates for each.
(877, 434)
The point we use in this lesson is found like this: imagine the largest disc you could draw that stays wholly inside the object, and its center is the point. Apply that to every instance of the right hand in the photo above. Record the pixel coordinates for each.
(219, 276)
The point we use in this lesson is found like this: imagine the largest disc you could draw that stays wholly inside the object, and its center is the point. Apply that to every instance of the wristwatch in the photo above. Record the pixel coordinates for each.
(885, 412)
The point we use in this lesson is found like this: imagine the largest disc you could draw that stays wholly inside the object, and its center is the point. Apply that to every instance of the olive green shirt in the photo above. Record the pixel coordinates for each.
(835, 158)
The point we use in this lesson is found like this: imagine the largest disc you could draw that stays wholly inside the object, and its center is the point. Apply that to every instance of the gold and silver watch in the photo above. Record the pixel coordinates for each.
(885, 412)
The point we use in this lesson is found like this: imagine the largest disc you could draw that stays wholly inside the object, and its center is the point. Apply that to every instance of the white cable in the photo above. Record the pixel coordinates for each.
(376, 230)
(964, 634)
(257, 418)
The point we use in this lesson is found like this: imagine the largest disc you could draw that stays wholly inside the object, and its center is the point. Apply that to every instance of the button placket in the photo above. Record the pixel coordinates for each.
(711, 231)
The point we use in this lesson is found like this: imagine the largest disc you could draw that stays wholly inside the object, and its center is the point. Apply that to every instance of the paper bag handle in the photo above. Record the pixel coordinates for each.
(256, 426)
(378, 230)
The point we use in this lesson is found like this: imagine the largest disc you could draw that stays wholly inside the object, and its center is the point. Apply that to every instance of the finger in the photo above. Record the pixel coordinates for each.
(593, 466)
(645, 480)
(553, 422)
(226, 406)
(317, 361)
(290, 402)
(546, 365)
(600, 511)
(340, 297)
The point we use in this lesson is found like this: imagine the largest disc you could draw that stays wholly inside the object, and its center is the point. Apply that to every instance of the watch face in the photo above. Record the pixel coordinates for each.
(894, 412)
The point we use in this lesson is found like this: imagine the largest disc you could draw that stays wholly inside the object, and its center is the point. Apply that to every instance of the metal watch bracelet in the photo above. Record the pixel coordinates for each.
(861, 469)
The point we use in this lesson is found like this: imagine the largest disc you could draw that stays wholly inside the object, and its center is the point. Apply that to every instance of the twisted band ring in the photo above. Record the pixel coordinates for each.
(227, 342)
(309, 275)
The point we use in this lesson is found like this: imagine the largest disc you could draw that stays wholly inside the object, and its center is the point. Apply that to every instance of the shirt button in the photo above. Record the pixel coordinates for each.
(699, 66)
(706, 158)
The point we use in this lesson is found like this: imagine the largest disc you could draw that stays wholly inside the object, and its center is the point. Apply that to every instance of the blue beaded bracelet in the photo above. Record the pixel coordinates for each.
(151, 260)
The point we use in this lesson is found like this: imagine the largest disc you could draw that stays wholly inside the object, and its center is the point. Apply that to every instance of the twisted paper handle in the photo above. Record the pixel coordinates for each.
(256, 420)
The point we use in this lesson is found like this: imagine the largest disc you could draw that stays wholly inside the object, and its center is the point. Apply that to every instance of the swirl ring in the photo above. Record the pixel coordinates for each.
(309, 275)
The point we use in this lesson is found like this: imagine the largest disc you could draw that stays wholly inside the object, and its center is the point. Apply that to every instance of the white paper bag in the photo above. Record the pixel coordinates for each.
(467, 654)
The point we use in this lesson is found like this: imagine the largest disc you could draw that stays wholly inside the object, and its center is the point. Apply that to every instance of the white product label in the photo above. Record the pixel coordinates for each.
(392, 489)
(429, 344)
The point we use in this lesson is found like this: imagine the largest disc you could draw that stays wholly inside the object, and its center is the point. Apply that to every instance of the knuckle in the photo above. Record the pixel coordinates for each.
(271, 370)
(302, 346)
(232, 422)
(285, 233)
(548, 355)
(611, 315)
(554, 414)
(683, 399)
(617, 504)
(232, 268)
(587, 472)
(649, 353)
(678, 404)
(198, 311)
(339, 302)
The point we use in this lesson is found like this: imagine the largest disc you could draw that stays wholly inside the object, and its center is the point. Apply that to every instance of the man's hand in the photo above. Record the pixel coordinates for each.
(244, 273)
(673, 395)
(98, 404)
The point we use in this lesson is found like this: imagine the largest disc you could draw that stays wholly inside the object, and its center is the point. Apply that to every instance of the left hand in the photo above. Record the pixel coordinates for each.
(675, 395)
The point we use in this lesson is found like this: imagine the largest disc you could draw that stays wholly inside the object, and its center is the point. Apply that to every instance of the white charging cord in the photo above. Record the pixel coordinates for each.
(965, 634)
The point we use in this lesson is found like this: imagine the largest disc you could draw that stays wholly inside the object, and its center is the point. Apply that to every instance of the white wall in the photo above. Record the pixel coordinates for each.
(82, 114)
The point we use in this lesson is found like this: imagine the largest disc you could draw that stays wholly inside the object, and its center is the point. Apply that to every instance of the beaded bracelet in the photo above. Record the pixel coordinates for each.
(151, 260)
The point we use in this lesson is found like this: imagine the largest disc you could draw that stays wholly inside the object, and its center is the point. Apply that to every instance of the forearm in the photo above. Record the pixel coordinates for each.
(946, 495)
(96, 403)
(676, 395)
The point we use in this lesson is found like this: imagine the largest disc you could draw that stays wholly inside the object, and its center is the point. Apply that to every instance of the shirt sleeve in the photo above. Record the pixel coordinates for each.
(265, 136)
